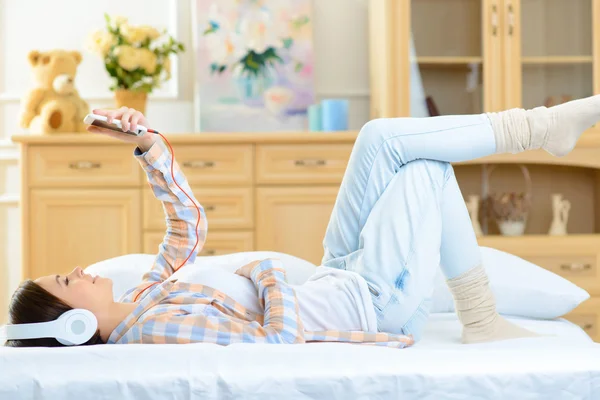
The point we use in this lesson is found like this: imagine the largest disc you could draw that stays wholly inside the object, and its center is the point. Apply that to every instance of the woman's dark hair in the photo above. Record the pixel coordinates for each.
(32, 303)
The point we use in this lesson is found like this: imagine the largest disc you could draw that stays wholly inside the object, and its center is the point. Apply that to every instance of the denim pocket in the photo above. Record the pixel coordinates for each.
(373, 291)
(375, 294)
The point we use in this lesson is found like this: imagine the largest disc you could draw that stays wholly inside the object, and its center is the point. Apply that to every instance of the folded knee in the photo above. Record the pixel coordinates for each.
(437, 172)
(442, 170)
(372, 133)
(373, 126)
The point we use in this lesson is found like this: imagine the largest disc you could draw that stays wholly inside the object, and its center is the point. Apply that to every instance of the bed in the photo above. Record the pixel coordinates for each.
(562, 364)
(565, 364)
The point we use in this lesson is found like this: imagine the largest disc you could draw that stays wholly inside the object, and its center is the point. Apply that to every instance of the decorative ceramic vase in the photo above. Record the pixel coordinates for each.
(131, 99)
(473, 207)
(512, 228)
(560, 212)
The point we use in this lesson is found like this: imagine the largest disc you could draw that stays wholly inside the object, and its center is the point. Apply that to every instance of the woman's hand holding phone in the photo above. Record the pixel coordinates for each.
(130, 119)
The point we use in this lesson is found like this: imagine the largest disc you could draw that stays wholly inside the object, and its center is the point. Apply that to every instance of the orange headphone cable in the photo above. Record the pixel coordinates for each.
(189, 197)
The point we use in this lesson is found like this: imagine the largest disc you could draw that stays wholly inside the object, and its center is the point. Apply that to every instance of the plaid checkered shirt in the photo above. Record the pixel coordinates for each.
(169, 311)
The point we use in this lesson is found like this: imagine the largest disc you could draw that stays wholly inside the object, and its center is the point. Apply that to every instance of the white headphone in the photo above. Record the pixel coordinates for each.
(73, 328)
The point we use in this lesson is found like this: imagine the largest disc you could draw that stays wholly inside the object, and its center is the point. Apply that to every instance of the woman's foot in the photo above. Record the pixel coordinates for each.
(564, 123)
(476, 310)
(554, 129)
(498, 329)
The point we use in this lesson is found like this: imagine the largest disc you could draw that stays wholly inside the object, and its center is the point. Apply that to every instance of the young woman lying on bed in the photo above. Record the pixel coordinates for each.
(399, 216)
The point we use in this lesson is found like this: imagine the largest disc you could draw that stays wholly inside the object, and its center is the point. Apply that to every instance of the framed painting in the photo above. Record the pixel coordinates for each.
(254, 65)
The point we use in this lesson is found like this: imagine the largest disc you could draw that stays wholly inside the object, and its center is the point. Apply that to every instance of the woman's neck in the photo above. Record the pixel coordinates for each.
(112, 317)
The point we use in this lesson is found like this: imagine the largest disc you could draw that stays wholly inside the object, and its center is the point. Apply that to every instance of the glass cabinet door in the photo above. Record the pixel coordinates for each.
(447, 59)
(556, 38)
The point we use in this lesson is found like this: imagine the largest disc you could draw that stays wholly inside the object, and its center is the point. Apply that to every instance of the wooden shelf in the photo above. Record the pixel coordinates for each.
(557, 60)
(523, 244)
(579, 157)
(448, 61)
(573, 236)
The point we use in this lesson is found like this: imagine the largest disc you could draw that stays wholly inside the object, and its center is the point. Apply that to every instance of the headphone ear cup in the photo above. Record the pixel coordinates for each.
(65, 342)
(76, 327)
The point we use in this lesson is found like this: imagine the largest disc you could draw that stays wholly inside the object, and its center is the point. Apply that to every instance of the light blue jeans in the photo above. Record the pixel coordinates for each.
(399, 214)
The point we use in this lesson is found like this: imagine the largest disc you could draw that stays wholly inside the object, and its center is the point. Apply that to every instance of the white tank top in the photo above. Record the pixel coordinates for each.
(330, 299)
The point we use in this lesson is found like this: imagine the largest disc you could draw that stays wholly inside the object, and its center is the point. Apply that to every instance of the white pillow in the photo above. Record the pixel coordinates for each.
(520, 287)
(127, 271)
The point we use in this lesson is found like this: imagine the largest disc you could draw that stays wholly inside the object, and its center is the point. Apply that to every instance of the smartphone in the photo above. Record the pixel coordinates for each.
(102, 122)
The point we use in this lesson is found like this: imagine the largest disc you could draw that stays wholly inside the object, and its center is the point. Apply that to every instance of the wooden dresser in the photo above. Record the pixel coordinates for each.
(85, 199)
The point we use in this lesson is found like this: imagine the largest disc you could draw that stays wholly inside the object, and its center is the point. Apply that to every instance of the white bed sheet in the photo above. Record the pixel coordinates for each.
(563, 366)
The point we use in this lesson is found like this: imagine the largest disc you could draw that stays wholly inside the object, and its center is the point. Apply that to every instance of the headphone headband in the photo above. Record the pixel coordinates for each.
(74, 327)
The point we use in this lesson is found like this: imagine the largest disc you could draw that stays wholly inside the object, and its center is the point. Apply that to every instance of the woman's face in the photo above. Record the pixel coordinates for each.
(79, 290)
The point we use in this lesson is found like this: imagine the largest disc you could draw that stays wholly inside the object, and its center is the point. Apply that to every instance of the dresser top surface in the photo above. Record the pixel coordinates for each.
(201, 138)
(586, 154)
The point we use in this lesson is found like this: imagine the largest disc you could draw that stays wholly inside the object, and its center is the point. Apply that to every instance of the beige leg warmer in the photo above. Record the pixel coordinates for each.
(554, 129)
(476, 310)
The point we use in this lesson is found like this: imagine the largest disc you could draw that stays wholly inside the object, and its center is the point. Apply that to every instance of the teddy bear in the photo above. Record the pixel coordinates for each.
(54, 105)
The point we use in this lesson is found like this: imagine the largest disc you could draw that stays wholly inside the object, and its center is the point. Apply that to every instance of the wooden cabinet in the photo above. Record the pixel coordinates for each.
(77, 227)
(80, 204)
(293, 220)
(551, 49)
(454, 53)
(473, 56)
(85, 198)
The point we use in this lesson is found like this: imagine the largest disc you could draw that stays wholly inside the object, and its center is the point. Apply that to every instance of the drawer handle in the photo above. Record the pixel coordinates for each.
(199, 164)
(209, 252)
(310, 163)
(210, 208)
(576, 267)
(85, 165)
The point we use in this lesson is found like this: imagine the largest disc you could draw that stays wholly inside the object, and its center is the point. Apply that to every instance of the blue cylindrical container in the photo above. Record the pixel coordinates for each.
(334, 114)
(314, 118)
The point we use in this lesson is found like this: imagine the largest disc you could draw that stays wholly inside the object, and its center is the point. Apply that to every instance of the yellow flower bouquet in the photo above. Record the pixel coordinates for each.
(135, 56)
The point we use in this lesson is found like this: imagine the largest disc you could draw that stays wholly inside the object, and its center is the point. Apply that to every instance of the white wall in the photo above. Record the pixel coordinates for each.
(340, 40)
